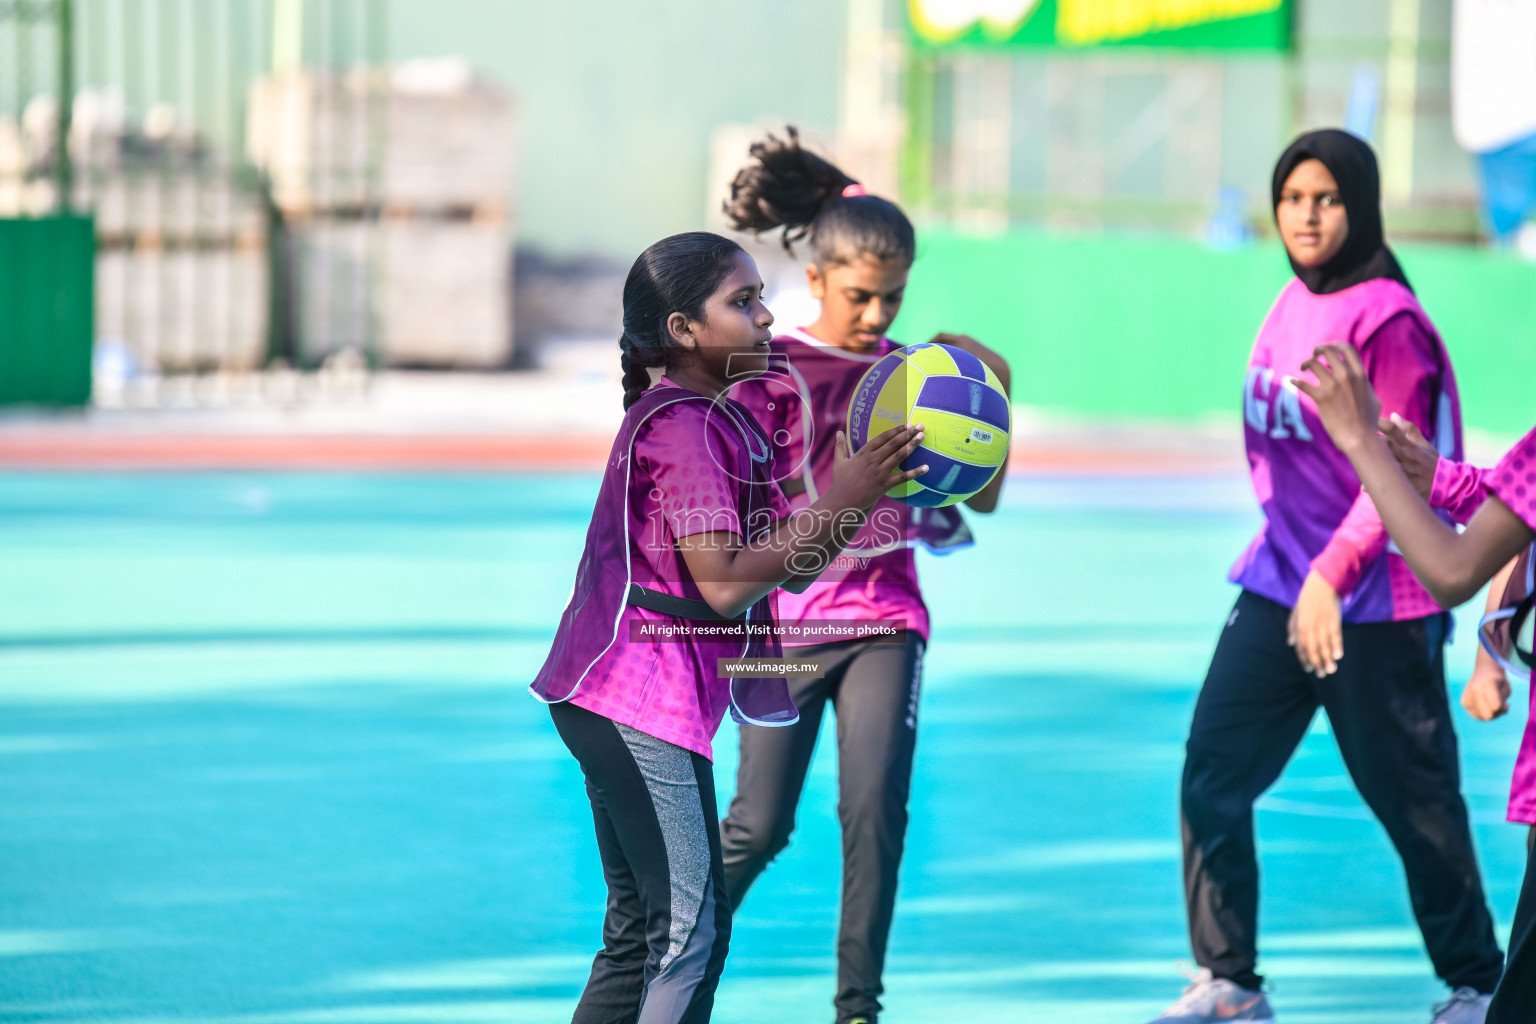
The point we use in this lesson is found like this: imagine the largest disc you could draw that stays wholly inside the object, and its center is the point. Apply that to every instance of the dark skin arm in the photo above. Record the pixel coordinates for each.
(1486, 695)
(1451, 566)
(843, 535)
(732, 575)
(986, 499)
(1413, 452)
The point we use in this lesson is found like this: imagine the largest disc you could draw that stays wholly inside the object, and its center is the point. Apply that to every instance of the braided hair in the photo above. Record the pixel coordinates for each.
(676, 275)
(792, 188)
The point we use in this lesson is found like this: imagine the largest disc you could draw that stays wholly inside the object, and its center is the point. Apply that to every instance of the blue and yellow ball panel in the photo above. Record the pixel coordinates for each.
(961, 405)
(874, 408)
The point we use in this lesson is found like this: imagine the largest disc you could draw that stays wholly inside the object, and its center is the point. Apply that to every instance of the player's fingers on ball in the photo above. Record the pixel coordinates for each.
(894, 459)
(884, 438)
(906, 446)
(911, 474)
(895, 439)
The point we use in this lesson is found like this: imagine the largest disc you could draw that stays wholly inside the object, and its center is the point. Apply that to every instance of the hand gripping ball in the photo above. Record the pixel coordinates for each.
(961, 405)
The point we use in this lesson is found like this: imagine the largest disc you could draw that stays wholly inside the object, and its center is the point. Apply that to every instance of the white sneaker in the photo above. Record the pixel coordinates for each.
(1466, 1006)
(1211, 1000)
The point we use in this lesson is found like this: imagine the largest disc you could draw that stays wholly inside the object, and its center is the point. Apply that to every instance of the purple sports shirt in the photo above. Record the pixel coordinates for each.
(682, 464)
(1316, 516)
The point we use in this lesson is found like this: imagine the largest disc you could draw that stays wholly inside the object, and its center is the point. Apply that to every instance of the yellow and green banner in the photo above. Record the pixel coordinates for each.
(1088, 24)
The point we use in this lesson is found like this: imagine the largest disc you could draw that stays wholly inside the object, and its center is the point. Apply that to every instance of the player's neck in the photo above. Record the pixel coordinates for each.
(697, 380)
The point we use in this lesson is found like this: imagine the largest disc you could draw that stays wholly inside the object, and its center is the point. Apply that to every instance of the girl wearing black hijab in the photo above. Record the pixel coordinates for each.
(1327, 617)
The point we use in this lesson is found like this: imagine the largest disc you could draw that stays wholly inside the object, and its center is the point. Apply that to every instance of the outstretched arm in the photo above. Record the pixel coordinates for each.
(1451, 566)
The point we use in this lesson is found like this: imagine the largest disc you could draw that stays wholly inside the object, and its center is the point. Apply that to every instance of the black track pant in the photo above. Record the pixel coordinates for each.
(665, 936)
(873, 688)
(1515, 1001)
(1390, 716)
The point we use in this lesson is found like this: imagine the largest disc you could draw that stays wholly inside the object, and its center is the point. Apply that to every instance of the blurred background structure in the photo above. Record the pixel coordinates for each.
(287, 196)
(281, 187)
(265, 190)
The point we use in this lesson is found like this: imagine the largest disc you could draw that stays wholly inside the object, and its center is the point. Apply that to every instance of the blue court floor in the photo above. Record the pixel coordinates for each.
(266, 758)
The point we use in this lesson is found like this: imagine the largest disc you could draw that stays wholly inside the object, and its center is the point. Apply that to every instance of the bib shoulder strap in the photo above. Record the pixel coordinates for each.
(677, 607)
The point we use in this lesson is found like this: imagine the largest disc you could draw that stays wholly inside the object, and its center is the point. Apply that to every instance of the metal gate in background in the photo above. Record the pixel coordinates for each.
(1182, 139)
(194, 298)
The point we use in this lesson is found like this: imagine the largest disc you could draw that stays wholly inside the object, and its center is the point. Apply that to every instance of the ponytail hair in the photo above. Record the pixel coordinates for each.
(676, 275)
(792, 188)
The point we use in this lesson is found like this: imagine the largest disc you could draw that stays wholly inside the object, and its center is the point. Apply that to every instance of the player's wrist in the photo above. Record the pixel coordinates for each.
(1360, 442)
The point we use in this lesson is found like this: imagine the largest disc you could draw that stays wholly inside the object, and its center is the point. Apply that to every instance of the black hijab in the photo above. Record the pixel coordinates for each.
(1353, 165)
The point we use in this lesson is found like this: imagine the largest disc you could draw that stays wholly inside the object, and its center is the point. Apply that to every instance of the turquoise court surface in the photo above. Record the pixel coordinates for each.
(266, 757)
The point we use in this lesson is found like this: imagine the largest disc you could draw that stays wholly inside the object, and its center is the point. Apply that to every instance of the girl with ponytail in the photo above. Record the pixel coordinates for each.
(689, 540)
(861, 248)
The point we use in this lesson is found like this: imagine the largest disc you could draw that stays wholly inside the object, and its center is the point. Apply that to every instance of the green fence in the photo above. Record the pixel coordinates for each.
(47, 262)
(46, 315)
(1160, 328)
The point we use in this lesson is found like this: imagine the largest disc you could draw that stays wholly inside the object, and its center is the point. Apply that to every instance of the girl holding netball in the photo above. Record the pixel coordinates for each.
(1328, 617)
(1452, 566)
(689, 538)
(862, 249)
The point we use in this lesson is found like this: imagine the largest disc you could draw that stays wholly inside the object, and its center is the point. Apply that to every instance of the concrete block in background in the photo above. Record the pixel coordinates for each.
(445, 296)
(184, 309)
(432, 292)
(428, 136)
(183, 205)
